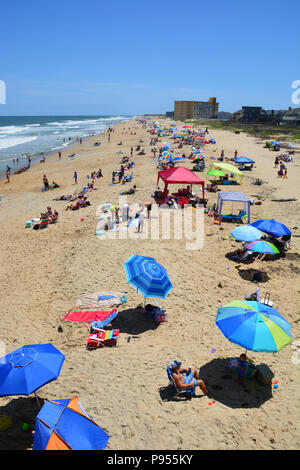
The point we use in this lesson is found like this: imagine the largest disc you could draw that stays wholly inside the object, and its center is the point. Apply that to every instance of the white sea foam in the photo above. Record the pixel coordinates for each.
(14, 141)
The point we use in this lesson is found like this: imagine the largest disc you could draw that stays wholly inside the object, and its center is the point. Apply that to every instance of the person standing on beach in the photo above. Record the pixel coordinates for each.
(7, 175)
(141, 221)
(46, 182)
(75, 177)
(59, 155)
(235, 154)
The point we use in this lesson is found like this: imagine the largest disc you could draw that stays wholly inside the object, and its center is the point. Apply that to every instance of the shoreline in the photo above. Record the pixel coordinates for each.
(37, 156)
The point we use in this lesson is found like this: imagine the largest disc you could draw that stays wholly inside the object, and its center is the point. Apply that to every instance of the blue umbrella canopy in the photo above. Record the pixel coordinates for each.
(260, 246)
(65, 425)
(27, 369)
(254, 326)
(246, 233)
(271, 227)
(243, 160)
(148, 276)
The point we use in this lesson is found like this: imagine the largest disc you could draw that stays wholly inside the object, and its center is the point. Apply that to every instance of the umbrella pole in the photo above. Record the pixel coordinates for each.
(39, 405)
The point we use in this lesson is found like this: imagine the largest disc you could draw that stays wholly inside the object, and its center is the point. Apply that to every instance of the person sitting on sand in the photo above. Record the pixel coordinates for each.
(131, 190)
(187, 378)
(55, 185)
(239, 365)
(49, 212)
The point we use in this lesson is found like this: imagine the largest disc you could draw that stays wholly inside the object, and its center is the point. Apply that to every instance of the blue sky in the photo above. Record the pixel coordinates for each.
(132, 57)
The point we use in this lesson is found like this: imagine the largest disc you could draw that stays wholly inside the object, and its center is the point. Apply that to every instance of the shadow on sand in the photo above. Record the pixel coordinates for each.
(225, 389)
(132, 321)
(21, 410)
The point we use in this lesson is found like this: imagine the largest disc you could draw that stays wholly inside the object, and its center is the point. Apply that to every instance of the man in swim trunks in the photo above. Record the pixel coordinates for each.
(187, 378)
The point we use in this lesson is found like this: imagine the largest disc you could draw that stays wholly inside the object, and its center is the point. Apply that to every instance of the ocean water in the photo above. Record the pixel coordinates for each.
(31, 135)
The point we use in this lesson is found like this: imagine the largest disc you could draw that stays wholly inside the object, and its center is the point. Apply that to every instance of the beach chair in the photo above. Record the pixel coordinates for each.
(233, 217)
(103, 338)
(44, 223)
(189, 393)
(218, 220)
(212, 210)
(129, 177)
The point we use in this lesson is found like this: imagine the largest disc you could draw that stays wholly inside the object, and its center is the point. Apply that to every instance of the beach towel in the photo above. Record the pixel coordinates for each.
(90, 300)
(84, 317)
(106, 297)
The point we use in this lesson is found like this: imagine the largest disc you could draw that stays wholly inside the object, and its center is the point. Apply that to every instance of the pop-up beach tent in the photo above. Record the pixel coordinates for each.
(179, 175)
(233, 197)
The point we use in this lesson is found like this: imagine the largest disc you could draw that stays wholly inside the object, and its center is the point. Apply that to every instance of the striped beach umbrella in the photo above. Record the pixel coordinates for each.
(148, 276)
(65, 425)
(260, 246)
(254, 326)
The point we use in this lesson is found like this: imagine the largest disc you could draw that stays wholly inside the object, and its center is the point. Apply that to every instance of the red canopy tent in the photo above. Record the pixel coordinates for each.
(179, 175)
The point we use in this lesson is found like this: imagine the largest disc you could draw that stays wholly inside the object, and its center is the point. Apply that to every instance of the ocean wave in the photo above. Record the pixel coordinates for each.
(12, 142)
(13, 129)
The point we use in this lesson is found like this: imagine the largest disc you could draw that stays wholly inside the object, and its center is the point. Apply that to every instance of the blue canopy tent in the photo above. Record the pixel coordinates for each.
(233, 197)
(243, 160)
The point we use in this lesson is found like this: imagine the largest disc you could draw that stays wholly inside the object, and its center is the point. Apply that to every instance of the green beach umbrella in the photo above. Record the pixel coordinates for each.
(216, 173)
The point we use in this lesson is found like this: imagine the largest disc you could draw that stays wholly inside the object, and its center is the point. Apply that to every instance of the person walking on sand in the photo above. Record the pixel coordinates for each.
(75, 177)
(7, 175)
(235, 154)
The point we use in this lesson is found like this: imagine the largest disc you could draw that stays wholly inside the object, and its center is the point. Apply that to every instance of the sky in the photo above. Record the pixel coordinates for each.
(135, 57)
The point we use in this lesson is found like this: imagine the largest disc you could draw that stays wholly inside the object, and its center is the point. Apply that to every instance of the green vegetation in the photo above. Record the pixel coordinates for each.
(264, 131)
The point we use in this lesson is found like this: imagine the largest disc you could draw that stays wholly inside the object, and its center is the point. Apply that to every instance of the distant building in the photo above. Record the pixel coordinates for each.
(196, 109)
(170, 114)
(251, 113)
(291, 117)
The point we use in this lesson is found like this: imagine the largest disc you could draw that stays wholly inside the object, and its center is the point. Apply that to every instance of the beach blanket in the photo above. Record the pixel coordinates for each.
(91, 316)
(90, 300)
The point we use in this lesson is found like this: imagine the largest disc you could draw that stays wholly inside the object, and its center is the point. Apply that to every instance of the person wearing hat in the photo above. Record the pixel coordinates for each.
(187, 378)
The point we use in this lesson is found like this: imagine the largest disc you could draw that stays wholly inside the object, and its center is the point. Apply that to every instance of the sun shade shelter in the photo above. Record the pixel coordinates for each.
(179, 175)
(227, 168)
(233, 197)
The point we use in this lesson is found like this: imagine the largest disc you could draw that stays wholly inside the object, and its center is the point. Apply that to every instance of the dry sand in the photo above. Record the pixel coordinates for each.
(125, 389)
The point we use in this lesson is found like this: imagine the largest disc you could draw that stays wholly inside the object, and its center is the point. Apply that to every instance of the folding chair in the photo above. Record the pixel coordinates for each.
(189, 392)
(103, 338)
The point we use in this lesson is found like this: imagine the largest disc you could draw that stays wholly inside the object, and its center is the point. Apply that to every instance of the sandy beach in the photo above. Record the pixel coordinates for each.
(125, 389)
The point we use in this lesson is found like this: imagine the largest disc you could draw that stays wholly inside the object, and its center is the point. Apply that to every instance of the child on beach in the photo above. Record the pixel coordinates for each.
(75, 177)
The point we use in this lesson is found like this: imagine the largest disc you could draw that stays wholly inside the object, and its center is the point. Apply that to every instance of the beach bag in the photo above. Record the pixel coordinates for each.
(250, 371)
(36, 227)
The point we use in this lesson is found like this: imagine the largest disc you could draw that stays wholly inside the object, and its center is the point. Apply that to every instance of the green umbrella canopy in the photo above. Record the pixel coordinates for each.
(216, 173)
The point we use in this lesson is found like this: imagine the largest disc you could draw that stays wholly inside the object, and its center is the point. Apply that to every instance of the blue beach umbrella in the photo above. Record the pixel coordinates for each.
(254, 326)
(27, 369)
(260, 246)
(166, 146)
(271, 227)
(197, 151)
(148, 276)
(65, 425)
(246, 233)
